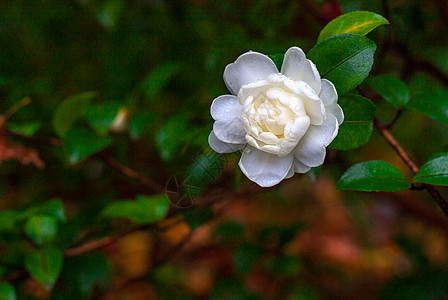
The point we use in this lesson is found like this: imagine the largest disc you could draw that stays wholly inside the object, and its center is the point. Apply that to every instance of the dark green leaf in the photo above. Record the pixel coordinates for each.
(278, 60)
(8, 221)
(429, 98)
(144, 210)
(392, 89)
(434, 171)
(45, 265)
(81, 143)
(159, 78)
(373, 176)
(7, 291)
(70, 110)
(41, 229)
(172, 137)
(53, 208)
(358, 124)
(141, 123)
(101, 116)
(345, 60)
(357, 22)
(25, 128)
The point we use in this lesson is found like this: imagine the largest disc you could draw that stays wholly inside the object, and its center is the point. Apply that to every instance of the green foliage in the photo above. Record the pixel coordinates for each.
(82, 143)
(41, 229)
(69, 111)
(144, 210)
(28, 128)
(278, 60)
(357, 126)
(392, 89)
(101, 116)
(159, 78)
(345, 60)
(434, 171)
(45, 265)
(357, 22)
(429, 98)
(373, 176)
(7, 291)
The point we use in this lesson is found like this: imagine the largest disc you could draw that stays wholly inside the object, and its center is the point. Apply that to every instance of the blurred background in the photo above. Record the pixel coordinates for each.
(151, 70)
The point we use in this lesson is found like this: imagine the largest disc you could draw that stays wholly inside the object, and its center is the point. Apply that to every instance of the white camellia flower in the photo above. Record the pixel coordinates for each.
(282, 121)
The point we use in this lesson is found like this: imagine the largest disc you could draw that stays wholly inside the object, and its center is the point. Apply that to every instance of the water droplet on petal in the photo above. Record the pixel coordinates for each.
(247, 150)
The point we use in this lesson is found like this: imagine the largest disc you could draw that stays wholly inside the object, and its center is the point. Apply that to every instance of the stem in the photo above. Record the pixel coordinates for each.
(408, 161)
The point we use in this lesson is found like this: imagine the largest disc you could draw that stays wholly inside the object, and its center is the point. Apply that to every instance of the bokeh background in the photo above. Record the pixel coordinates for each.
(152, 68)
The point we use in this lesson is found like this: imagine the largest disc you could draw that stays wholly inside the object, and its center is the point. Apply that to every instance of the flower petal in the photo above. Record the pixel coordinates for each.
(222, 147)
(311, 148)
(329, 97)
(299, 167)
(230, 131)
(225, 107)
(263, 168)
(297, 67)
(314, 107)
(249, 67)
(328, 93)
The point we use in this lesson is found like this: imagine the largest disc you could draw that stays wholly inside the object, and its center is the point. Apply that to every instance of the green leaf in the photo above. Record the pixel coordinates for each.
(7, 291)
(45, 265)
(8, 221)
(434, 171)
(345, 60)
(429, 98)
(144, 210)
(82, 143)
(141, 123)
(278, 60)
(156, 81)
(27, 129)
(101, 116)
(373, 176)
(41, 229)
(53, 208)
(70, 110)
(358, 124)
(392, 89)
(172, 137)
(357, 22)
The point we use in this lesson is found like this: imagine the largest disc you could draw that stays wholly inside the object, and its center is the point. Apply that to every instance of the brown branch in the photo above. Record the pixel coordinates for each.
(134, 175)
(411, 165)
(395, 119)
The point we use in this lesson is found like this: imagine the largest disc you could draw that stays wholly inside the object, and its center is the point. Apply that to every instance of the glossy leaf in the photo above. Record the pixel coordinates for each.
(82, 143)
(345, 60)
(392, 89)
(101, 116)
(70, 110)
(373, 176)
(434, 171)
(27, 129)
(7, 291)
(429, 98)
(45, 265)
(140, 124)
(144, 210)
(159, 78)
(41, 229)
(357, 22)
(357, 126)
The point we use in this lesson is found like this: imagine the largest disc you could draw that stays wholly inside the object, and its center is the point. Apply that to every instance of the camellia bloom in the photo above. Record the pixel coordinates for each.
(282, 121)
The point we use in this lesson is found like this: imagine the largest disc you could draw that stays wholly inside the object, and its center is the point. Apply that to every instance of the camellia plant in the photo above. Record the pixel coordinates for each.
(129, 174)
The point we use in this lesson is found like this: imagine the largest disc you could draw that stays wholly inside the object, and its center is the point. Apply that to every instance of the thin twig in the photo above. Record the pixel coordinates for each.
(397, 116)
(134, 174)
(412, 166)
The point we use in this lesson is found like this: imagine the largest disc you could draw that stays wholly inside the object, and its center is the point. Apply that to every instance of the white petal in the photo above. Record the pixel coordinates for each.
(298, 68)
(311, 148)
(222, 147)
(300, 167)
(290, 172)
(263, 168)
(249, 67)
(314, 107)
(329, 97)
(328, 93)
(336, 111)
(230, 131)
(225, 107)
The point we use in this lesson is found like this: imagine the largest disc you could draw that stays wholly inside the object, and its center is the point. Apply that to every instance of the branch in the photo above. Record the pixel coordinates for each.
(411, 165)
